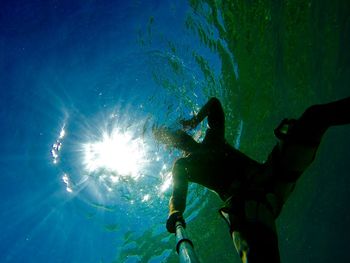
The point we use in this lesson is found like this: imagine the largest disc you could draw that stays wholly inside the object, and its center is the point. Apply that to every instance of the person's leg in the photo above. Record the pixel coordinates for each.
(296, 150)
(318, 118)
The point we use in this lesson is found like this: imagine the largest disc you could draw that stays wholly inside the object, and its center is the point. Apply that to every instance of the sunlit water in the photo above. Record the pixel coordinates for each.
(83, 83)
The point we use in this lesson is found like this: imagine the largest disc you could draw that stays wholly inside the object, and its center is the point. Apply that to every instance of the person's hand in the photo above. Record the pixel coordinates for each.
(172, 219)
(189, 124)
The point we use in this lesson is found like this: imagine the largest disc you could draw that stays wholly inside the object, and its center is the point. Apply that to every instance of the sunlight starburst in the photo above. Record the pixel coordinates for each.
(117, 152)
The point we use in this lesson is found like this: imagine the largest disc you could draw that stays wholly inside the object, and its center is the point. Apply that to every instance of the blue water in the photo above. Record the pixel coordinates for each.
(72, 70)
(79, 68)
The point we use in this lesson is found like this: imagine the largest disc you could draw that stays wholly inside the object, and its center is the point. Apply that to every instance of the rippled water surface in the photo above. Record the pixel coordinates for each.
(83, 82)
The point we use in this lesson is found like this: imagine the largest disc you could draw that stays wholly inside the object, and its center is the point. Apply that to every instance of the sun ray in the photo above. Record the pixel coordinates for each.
(118, 154)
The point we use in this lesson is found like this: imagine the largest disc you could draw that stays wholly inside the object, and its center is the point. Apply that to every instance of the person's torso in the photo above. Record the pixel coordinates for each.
(234, 169)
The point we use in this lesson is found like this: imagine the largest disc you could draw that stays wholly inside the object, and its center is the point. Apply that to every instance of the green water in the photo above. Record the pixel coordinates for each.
(276, 58)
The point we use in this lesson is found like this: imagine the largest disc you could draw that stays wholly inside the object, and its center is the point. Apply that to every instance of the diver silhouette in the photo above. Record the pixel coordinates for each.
(254, 193)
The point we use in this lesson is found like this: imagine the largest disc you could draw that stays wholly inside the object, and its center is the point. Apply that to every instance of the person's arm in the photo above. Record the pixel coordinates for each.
(177, 203)
(215, 113)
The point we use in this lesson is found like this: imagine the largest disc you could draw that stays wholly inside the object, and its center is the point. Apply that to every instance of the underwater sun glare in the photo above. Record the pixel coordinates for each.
(119, 153)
